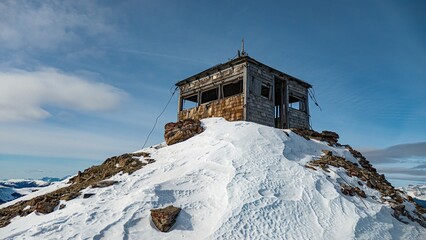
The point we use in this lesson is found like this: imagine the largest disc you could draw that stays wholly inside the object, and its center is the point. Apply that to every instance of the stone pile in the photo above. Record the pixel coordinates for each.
(325, 136)
(352, 191)
(181, 130)
(230, 108)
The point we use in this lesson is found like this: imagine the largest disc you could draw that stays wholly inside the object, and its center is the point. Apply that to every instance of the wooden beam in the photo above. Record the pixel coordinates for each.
(286, 125)
(281, 107)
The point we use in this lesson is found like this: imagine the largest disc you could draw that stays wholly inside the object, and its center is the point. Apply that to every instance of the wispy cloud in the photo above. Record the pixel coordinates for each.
(27, 25)
(400, 162)
(25, 95)
(406, 171)
(397, 153)
(421, 166)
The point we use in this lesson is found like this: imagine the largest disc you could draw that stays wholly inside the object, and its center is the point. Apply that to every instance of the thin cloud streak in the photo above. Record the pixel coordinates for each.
(397, 153)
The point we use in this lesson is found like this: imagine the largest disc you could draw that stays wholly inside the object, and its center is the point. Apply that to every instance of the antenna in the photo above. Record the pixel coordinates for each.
(243, 53)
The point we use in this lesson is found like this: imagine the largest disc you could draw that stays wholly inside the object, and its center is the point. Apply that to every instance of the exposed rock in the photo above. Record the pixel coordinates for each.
(105, 183)
(352, 191)
(87, 195)
(327, 152)
(181, 131)
(325, 136)
(367, 174)
(47, 205)
(164, 218)
(126, 163)
(70, 195)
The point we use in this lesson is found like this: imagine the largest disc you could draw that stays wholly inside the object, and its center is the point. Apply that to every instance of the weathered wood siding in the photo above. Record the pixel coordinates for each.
(297, 90)
(259, 108)
(230, 108)
(298, 119)
(250, 105)
(215, 79)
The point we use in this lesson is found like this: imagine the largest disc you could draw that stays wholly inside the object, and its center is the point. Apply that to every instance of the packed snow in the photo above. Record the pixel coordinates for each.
(236, 180)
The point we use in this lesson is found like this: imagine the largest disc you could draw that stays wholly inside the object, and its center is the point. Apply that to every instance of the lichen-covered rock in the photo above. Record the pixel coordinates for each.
(352, 191)
(105, 183)
(325, 136)
(47, 205)
(164, 218)
(181, 131)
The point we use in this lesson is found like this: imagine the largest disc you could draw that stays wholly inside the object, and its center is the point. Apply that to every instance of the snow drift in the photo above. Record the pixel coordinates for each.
(236, 180)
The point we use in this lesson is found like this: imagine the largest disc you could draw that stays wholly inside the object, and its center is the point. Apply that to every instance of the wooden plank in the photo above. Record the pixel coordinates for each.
(286, 124)
(281, 107)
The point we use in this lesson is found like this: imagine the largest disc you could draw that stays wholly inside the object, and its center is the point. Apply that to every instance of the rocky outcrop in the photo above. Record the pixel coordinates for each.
(369, 176)
(103, 184)
(164, 218)
(352, 191)
(181, 131)
(92, 177)
(325, 136)
(46, 205)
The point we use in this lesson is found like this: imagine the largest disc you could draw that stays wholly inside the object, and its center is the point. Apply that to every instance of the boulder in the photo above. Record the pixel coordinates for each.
(47, 205)
(325, 136)
(164, 218)
(181, 131)
(105, 183)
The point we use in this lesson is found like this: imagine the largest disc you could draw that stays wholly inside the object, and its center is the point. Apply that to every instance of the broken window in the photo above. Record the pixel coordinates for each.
(232, 89)
(189, 102)
(265, 90)
(210, 95)
(296, 103)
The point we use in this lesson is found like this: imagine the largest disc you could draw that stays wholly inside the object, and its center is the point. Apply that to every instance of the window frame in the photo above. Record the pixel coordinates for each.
(208, 90)
(240, 90)
(188, 97)
(269, 87)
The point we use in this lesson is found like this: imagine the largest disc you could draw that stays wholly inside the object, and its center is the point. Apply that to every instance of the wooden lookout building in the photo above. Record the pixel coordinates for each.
(245, 89)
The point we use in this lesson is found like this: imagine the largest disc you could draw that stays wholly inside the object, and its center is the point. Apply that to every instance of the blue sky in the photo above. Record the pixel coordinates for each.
(84, 80)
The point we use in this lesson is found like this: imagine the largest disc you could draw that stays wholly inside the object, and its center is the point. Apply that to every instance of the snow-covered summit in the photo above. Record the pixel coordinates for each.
(235, 180)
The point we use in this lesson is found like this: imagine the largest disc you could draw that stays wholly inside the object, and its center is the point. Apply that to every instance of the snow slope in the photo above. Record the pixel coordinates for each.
(236, 180)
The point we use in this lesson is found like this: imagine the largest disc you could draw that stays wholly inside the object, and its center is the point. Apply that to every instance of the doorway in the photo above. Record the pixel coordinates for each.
(280, 103)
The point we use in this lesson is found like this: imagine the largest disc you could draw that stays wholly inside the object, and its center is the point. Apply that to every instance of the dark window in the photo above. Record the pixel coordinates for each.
(210, 95)
(232, 89)
(190, 102)
(265, 90)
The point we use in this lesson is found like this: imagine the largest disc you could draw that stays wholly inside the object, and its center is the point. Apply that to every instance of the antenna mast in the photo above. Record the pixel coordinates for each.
(243, 53)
